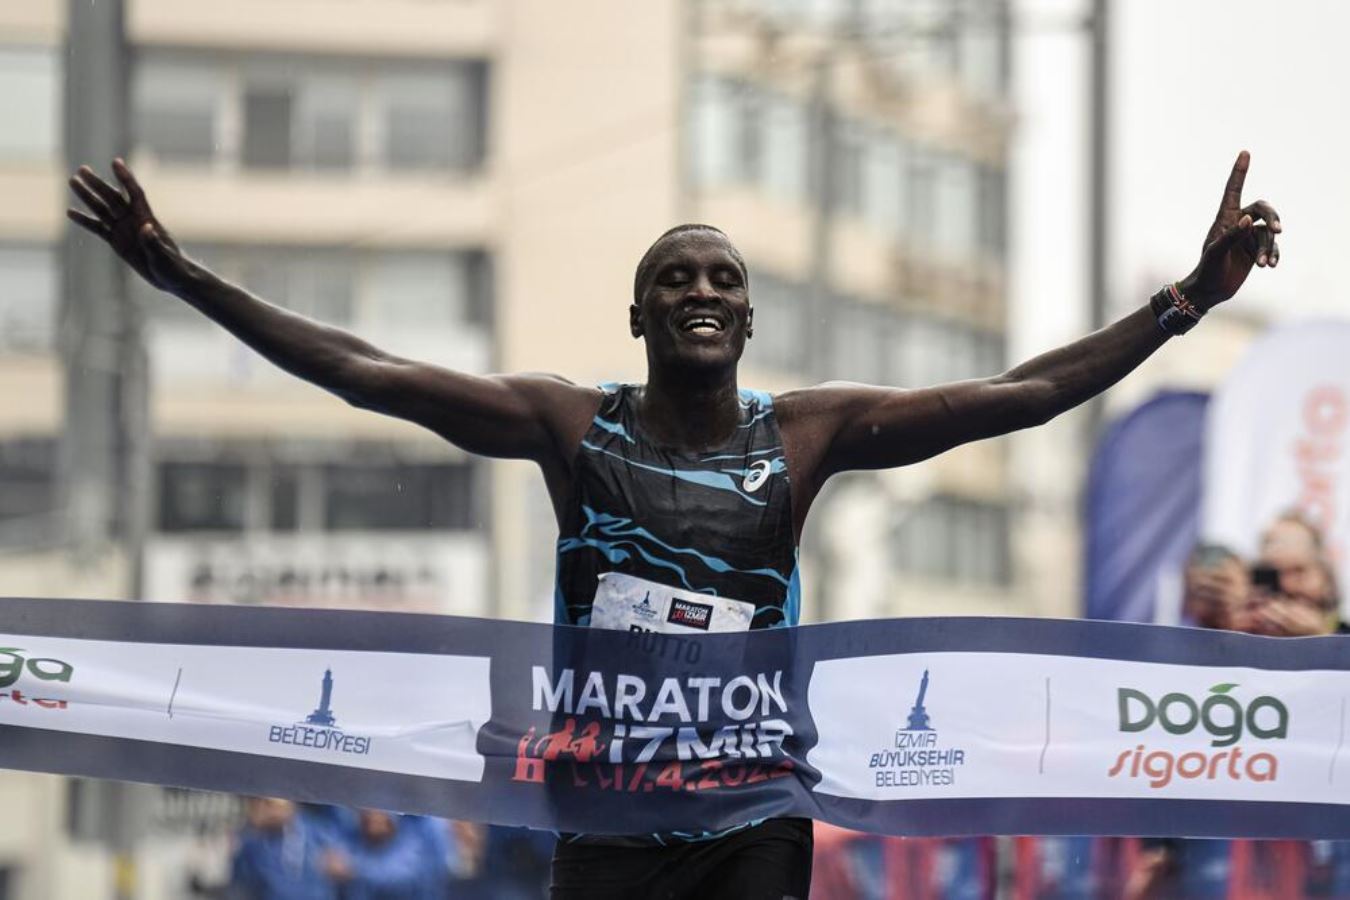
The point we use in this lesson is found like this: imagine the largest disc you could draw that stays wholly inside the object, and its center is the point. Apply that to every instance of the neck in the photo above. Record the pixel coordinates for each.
(690, 411)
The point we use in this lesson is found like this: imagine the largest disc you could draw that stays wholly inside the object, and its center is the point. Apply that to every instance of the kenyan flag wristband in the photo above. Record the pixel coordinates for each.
(1176, 315)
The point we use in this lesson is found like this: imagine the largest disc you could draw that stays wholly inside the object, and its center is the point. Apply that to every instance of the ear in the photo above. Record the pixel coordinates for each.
(635, 320)
(750, 323)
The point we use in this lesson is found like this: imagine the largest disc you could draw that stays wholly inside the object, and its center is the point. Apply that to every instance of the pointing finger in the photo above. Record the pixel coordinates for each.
(1232, 192)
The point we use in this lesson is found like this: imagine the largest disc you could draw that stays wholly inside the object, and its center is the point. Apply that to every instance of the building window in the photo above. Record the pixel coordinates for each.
(883, 182)
(740, 133)
(957, 210)
(993, 212)
(859, 337)
(267, 127)
(30, 104)
(384, 497)
(848, 165)
(276, 496)
(28, 287)
(409, 289)
(433, 119)
(780, 323)
(264, 112)
(205, 496)
(27, 478)
(955, 538)
(326, 116)
(425, 289)
(177, 106)
(927, 351)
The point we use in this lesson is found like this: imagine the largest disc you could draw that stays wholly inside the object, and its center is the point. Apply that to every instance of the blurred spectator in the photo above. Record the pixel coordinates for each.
(1216, 587)
(1294, 590)
(387, 859)
(281, 854)
(1290, 591)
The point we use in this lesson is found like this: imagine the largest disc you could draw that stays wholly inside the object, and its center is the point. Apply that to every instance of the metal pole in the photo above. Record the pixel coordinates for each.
(1098, 192)
(823, 123)
(104, 454)
(94, 293)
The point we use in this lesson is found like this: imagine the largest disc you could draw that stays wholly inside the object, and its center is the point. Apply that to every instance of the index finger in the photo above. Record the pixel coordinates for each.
(1232, 191)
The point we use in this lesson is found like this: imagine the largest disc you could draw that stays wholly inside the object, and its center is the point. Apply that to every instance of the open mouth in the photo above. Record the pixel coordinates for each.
(702, 325)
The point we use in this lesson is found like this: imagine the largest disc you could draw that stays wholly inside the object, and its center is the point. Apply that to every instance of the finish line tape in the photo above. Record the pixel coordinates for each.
(911, 727)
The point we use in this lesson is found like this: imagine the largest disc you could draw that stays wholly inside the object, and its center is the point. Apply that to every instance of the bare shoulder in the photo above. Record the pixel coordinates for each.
(822, 403)
(567, 408)
(552, 388)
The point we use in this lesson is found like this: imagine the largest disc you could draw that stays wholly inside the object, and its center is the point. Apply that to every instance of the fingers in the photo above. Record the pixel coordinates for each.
(1261, 211)
(88, 223)
(110, 195)
(1267, 250)
(128, 180)
(1232, 191)
(1230, 238)
(91, 199)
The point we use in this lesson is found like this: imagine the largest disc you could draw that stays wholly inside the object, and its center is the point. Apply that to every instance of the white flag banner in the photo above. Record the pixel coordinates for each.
(1277, 439)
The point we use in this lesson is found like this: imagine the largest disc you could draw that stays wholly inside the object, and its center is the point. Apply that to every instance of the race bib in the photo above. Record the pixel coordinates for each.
(625, 603)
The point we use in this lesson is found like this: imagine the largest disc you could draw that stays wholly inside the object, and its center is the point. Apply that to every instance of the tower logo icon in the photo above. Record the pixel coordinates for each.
(323, 714)
(918, 715)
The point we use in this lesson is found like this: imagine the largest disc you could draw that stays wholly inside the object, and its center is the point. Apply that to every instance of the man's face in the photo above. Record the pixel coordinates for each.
(695, 306)
(1289, 548)
(377, 826)
(269, 813)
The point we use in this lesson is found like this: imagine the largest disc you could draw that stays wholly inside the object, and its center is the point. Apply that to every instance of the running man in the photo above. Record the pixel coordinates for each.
(687, 486)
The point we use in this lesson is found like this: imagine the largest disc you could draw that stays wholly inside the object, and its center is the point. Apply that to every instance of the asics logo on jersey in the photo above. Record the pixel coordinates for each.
(758, 474)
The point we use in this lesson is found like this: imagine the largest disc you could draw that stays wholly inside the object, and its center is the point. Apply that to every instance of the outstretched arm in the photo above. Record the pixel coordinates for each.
(836, 427)
(521, 416)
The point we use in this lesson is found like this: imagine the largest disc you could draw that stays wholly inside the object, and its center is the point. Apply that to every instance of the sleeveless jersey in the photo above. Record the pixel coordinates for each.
(714, 524)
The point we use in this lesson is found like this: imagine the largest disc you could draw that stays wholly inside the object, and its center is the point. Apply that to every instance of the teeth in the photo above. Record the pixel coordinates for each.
(703, 326)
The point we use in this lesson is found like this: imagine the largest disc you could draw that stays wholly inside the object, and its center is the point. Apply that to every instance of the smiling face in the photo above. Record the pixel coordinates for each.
(692, 301)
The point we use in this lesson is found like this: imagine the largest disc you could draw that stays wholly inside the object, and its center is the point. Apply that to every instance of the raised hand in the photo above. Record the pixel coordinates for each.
(1241, 236)
(123, 218)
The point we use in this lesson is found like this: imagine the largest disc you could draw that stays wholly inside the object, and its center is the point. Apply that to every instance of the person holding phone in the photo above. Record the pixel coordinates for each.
(1293, 584)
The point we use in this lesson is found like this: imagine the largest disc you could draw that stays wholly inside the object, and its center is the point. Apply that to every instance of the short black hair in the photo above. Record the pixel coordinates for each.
(644, 266)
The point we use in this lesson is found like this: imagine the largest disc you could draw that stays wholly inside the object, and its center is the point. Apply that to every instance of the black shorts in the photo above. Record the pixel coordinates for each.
(771, 861)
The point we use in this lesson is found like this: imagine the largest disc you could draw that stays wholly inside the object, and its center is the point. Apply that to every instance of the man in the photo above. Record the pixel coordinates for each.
(1299, 596)
(686, 485)
(389, 857)
(282, 854)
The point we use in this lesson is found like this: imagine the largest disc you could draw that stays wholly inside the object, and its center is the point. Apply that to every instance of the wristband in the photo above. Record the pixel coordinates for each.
(1175, 314)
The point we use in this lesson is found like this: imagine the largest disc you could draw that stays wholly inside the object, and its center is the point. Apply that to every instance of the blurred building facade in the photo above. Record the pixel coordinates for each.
(472, 182)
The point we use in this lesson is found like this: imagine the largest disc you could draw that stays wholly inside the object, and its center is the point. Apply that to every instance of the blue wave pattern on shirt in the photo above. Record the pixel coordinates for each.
(717, 523)
(616, 533)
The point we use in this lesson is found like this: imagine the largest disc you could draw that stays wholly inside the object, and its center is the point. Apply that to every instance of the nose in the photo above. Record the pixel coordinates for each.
(701, 288)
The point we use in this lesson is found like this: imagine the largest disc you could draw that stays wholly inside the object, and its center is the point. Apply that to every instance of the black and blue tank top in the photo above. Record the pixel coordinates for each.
(716, 523)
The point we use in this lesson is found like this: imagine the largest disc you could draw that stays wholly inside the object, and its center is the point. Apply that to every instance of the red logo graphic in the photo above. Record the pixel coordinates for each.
(532, 753)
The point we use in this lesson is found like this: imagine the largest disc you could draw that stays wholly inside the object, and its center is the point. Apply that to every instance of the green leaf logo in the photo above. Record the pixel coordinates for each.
(1223, 688)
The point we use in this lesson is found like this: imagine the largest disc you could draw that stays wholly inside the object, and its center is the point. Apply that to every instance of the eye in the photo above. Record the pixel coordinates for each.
(675, 276)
